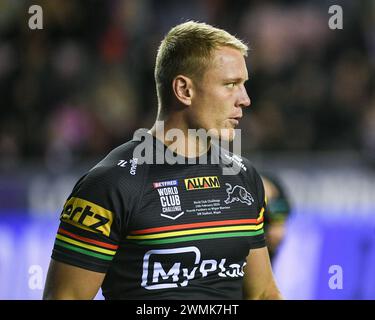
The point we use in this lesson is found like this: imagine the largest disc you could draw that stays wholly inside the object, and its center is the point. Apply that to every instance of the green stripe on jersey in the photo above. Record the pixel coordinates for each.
(83, 251)
(200, 237)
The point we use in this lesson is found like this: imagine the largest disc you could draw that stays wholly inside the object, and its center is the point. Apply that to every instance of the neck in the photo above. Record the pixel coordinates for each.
(173, 131)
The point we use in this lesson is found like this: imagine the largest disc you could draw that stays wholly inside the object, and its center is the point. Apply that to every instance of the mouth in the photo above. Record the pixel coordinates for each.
(235, 120)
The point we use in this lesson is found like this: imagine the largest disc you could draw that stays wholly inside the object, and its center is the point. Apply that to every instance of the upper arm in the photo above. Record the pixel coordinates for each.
(259, 282)
(87, 238)
(69, 282)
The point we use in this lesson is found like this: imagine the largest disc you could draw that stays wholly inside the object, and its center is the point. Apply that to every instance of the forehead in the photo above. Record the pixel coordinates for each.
(228, 62)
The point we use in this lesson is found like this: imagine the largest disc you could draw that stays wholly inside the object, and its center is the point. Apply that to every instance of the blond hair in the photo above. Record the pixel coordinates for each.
(187, 50)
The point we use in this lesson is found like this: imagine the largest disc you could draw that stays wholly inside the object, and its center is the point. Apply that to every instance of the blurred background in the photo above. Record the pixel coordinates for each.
(82, 85)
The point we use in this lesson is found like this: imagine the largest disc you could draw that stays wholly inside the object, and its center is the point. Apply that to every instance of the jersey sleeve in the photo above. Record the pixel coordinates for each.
(258, 241)
(91, 223)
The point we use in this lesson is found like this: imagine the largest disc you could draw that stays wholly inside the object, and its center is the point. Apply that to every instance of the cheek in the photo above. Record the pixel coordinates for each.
(214, 107)
(219, 95)
(222, 104)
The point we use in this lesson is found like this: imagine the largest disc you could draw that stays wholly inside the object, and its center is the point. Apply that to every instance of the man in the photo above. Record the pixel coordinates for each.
(278, 210)
(161, 231)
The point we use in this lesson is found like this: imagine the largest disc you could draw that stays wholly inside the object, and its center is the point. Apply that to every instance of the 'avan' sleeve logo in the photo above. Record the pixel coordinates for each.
(87, 215)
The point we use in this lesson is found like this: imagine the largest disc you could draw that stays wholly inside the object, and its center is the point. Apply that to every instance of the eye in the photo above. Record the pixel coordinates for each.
(230, 85)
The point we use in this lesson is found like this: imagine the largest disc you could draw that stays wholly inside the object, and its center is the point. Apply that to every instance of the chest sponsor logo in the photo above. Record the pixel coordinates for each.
(198, 183)
(169, 199)
(172, 268)
(87, 215)
(238, 193)
(169, 183)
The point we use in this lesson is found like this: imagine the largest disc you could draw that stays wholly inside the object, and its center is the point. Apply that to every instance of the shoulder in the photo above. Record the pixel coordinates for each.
(118, 157)
(253, 174)
(240, 164)
(251, 170)
(244, 167)
(118, 171)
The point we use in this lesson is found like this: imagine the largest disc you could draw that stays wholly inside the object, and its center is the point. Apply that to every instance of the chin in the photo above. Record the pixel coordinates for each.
(227, 134)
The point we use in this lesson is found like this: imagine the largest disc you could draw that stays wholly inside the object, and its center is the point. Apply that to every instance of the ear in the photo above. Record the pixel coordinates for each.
(183, 89)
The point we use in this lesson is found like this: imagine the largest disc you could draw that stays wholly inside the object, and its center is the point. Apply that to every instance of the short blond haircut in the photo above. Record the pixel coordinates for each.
(187, 50)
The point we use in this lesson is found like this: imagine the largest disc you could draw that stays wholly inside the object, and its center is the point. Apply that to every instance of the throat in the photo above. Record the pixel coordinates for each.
(188, 143)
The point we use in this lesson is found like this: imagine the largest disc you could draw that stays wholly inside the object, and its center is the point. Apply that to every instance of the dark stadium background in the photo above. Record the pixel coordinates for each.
(72, 91)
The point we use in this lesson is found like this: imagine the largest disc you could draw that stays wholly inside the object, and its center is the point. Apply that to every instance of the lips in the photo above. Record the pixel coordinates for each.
(235, 120)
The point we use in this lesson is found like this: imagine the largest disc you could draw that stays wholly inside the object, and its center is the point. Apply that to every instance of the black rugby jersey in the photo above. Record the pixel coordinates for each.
(162, 231)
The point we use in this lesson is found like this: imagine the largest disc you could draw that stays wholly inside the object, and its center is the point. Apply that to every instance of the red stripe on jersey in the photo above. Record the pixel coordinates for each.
(198, 225)
(99, 243)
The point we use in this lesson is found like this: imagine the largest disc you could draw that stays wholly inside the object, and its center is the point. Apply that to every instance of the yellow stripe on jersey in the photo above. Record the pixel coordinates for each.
(196, 231)
(84, 245)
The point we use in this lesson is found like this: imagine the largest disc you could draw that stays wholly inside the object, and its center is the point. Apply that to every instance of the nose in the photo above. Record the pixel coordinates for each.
(243, 98)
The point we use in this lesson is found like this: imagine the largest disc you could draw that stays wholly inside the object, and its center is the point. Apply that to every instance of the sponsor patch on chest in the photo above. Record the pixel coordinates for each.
(169, 199)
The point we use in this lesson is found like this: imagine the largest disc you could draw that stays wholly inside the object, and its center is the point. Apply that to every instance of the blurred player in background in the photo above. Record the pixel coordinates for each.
(278, 206)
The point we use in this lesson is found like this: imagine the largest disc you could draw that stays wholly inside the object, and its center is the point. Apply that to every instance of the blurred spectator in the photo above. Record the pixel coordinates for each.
(367, 125)
(91, 66)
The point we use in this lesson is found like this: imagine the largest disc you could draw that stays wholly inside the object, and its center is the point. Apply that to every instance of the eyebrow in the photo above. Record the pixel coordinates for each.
(236, 79)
